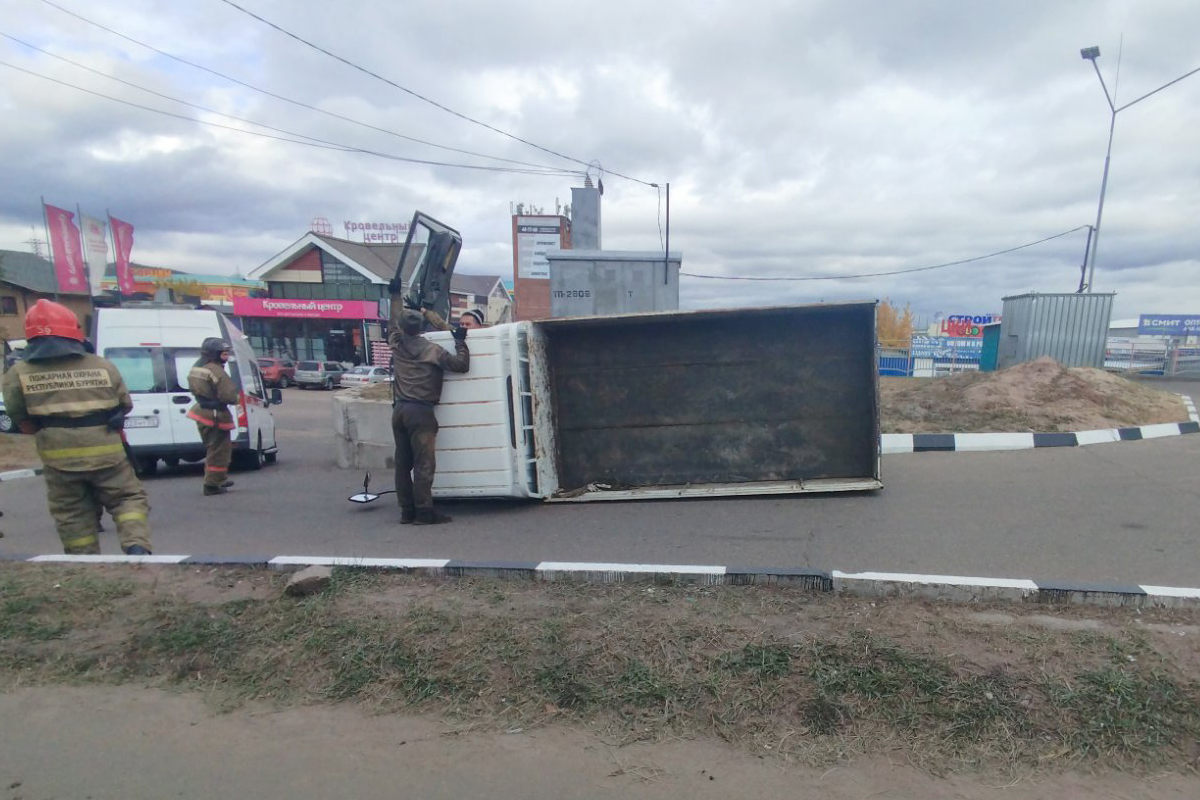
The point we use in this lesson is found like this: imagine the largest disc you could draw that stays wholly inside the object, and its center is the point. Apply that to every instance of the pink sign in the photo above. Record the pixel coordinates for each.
(305, 309)
(68, 252)
(122, 233)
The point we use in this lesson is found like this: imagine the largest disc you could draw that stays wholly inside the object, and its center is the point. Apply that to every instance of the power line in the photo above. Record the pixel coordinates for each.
(206, 109)
(268, 93)
(880, 274)
(417, 95)
(307, 141)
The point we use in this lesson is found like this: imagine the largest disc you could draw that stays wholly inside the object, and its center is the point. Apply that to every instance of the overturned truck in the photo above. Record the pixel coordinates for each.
(682, 404)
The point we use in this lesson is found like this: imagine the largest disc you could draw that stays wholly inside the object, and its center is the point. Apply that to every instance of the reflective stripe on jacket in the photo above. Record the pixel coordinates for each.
(211, 383)
(69, 387)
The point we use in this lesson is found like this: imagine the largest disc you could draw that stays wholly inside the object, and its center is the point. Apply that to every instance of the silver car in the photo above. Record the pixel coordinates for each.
(361, 376)
(319, 374)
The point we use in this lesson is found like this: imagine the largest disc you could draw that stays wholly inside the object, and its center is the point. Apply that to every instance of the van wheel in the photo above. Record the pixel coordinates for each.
(253, 460)
(271, 458)
(171, 462)
(146, 466)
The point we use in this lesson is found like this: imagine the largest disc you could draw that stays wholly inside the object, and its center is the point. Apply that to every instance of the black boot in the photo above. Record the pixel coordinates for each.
(211, 490)
(226, 484)
(136, 550)
(407, 515)
(427, 516)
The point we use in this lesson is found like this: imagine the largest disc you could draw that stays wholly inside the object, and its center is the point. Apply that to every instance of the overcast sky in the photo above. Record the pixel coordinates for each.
(800, 139)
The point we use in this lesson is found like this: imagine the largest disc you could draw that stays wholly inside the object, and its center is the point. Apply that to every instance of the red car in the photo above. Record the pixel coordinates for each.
(279, 372)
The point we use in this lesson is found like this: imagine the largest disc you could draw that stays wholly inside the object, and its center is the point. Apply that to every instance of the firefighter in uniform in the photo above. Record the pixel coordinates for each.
(75, 403)
(215, 391)
(418, 366)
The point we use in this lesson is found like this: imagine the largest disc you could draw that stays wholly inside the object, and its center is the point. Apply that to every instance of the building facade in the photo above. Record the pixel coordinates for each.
(323, 296)
(26, 278)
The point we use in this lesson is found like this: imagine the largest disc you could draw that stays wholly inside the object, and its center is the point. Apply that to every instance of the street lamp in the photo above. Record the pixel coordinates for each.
(1091, 54)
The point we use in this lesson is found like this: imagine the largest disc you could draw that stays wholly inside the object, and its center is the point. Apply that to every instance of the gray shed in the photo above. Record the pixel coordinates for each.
(1071, 328)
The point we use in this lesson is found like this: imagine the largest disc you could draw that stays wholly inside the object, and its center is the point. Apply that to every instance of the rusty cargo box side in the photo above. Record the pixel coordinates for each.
(715, 398)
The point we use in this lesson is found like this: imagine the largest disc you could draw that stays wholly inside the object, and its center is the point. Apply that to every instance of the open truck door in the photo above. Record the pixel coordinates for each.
(427, 259)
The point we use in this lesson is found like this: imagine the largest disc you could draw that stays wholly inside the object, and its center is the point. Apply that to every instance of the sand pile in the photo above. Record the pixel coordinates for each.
(1039, 395)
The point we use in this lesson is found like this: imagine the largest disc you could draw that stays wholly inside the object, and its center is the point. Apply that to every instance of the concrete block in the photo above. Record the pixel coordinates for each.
(309, 580)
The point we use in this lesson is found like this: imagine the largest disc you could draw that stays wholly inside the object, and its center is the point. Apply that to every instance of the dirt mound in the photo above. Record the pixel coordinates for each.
(1039, 395)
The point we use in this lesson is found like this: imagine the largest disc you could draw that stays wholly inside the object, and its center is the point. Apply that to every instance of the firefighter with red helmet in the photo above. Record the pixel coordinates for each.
(215, 391)
(75, 403)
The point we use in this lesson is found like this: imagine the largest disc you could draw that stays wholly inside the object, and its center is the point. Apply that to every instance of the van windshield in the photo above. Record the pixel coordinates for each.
(311, 365)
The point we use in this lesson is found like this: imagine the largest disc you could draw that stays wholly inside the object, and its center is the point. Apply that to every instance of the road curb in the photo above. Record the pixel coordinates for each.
(17, 474)
(980, 442)
(864, 584)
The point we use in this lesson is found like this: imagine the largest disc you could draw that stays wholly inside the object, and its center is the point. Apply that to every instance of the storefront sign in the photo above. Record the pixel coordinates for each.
(1169, 325)
(385, 232)
(305, 309)
(965, 325)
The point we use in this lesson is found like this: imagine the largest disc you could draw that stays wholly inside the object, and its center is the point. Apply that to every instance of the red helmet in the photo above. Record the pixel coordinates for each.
(48, 318)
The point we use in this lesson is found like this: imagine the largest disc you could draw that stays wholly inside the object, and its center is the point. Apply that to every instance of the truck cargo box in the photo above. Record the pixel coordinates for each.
(706, 403)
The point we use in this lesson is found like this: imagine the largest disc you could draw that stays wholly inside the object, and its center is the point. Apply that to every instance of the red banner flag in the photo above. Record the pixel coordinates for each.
(67, 250)
(122, 234)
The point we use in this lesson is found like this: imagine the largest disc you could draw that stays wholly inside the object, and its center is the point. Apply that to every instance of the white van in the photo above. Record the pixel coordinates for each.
(154, 347)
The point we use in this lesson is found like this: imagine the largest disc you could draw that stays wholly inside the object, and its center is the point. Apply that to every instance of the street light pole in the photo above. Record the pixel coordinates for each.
(1091, 54)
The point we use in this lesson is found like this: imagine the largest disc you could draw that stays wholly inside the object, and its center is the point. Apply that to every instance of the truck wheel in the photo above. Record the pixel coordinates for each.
(6, 423)
(270, 458)
(283, 382)
(171, 462)
(146, 466)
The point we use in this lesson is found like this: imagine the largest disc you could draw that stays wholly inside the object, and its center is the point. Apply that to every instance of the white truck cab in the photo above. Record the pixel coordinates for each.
(154, 347)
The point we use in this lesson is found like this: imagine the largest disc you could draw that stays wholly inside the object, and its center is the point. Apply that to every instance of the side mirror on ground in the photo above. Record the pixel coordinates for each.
(276, 397)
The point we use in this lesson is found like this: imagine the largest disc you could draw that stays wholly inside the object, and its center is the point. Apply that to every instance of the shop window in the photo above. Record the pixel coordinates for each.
(8, 306)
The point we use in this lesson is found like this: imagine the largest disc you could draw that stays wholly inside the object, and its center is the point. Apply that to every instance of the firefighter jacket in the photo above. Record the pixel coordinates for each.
(418, 366)
(71, 399)
(215, 391)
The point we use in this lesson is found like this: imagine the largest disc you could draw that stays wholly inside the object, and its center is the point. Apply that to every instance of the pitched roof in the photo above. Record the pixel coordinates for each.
(380, 259)
(473, 284)
(29, 272)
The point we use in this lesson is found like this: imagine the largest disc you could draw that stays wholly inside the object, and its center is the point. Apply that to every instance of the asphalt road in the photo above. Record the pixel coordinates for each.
(1126, 511)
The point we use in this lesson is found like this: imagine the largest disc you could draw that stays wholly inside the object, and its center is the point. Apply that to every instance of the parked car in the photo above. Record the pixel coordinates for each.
(6, 423)
(279, 372)
(321, 374)
(360, 376)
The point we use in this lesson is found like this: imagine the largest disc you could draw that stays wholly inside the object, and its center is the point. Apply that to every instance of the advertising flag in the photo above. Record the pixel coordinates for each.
(68, 256)
(95, 249)
(122, 234)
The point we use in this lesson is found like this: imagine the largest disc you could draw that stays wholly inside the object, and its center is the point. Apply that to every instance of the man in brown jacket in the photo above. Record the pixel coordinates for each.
(419, 366)
(75, 403)
(215, 391)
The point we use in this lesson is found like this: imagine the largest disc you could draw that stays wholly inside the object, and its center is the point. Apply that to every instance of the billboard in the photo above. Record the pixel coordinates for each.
(1169, 325)
(534, 236)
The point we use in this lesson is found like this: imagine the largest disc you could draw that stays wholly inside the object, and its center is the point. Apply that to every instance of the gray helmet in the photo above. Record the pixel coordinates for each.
(212, 347)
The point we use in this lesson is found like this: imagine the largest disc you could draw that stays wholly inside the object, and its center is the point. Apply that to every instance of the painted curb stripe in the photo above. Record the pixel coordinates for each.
(812, 579)
(949, 580)
(358, 561)
(14, 474)
(890, 443)
(932, 442)
(1097, 437)
(993, 441)
(1189, 427)
(1087, 587)
(1130, 434)
(1055, 440)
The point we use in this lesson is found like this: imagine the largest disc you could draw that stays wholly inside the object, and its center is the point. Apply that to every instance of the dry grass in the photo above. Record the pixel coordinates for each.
(809, 678)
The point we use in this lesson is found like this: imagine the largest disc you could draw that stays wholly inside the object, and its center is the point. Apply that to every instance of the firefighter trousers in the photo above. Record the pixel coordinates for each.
(415, 429)
(219, 454)
(75, 500)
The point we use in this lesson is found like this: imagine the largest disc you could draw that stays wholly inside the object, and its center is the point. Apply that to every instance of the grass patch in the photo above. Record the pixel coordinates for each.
(751, 665)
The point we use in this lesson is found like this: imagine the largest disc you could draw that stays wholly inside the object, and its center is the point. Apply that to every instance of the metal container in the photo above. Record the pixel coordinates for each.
(586, 283)
(1070, 328)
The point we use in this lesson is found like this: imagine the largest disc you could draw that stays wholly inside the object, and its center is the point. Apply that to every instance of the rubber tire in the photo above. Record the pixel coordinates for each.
(283, 382)
(6, 424)
(271, 458)
(329, 384)
(252, 461)
(146, 466)
(171, 462)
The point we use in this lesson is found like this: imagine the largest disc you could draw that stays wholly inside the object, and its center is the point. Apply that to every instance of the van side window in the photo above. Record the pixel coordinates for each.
(142, 368)
(256, 374)
(179, 362)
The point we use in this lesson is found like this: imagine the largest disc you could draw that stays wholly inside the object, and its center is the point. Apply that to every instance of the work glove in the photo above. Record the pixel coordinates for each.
(459, 333)
(117, 421)
(411, 304)
(394, 286)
